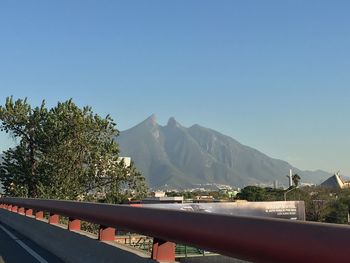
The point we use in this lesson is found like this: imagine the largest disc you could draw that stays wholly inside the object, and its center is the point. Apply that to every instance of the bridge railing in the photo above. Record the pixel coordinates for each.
(250, 238)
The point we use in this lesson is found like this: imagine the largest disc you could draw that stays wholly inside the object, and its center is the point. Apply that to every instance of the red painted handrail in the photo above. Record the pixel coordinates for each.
(250, 238)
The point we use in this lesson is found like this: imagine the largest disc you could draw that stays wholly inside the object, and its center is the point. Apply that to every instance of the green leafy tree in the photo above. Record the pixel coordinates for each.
(296, 180)
(316, 202)
(274, 194)
(253, 193)
(338, 213)
(64, 152)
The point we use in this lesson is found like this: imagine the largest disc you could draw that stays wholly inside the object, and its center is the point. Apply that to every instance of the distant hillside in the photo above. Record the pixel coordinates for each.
(182, 157)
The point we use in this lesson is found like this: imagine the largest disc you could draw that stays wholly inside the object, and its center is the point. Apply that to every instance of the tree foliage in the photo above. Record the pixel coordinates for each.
(253, 193)
(65, 152)
(296, 180)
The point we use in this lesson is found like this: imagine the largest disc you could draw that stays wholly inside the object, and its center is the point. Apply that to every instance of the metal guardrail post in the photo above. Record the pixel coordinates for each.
(53, 219)
(73, 224)
(21, 210)
(39, 215)
(29, 212)
(14, 209)
(106, 233)
(163, 250)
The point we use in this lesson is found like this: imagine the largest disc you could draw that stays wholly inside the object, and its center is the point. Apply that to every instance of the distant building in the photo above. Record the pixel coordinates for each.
(335, 182)
(158, 194)
(127, 160)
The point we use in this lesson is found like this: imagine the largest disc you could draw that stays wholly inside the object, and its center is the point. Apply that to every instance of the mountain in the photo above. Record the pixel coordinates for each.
(182, 157)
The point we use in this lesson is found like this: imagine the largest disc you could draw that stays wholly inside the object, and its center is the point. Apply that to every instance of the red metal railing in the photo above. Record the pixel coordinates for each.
(251, 238)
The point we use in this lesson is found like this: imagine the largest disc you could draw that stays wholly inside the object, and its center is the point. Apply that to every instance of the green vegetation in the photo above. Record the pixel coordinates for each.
(256, 193)
(296, 179)
(65, 152)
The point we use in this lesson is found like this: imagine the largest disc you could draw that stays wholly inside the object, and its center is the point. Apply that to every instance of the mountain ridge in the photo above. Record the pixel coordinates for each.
(173, 155)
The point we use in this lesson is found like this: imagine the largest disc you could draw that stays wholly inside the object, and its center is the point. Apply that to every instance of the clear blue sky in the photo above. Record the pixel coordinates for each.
(275, 75)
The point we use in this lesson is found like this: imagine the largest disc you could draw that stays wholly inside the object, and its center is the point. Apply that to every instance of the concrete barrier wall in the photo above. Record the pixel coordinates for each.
(70, 246)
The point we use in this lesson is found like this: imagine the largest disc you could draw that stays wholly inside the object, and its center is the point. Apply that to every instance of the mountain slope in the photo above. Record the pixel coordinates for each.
(182, 157)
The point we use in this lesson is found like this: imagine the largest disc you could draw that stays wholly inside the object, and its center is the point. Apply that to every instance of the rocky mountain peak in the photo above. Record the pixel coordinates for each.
(183, 157)
(173, 123)
(151, 120)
